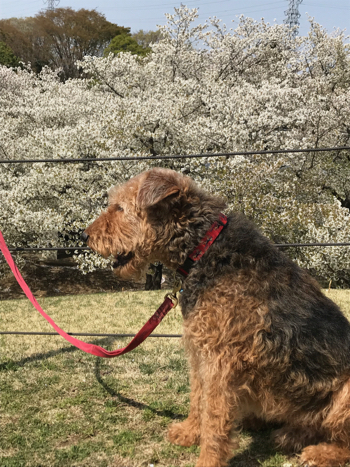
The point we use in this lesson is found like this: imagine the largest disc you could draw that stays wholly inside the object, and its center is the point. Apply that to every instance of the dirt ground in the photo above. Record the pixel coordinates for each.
(61, 278)
(53, 277)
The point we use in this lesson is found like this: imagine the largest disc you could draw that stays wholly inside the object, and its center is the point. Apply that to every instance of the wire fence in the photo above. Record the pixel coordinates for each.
(86, 334)
(183, 156)
(159, 157)
(81, 248)
(179, 156)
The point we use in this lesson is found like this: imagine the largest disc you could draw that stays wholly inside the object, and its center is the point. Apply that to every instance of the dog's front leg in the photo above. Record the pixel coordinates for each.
(220, 414)
(187, 432)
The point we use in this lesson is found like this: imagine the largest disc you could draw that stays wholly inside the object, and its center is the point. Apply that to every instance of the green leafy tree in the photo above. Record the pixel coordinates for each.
(73, 34)
(21, 36)
(125, 43)
(7, 57)
(58, 38)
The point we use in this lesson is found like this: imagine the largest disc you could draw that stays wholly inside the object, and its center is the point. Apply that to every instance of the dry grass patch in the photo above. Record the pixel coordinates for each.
(98, 313)
(342, 298)
(60, 406)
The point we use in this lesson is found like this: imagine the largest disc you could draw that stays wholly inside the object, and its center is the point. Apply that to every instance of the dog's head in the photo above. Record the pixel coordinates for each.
(154, 216)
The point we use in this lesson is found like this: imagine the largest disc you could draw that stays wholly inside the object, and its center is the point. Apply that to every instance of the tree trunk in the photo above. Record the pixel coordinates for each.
(154, 279)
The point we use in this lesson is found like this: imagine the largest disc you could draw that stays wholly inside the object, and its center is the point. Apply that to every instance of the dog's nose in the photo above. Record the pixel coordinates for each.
(84, 236)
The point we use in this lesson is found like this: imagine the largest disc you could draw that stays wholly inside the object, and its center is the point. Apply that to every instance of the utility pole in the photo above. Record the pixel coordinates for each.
(51, 4)
(292, 16)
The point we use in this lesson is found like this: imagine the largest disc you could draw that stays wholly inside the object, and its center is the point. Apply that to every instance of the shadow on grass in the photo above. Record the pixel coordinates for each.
(13, 365)
(127, 400)
(261, 451)
(9, 364)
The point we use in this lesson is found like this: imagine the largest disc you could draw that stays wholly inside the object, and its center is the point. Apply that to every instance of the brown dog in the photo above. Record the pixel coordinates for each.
(263, 341)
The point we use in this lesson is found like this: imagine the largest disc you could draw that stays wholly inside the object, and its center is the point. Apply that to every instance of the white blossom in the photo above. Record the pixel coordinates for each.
(203, 89)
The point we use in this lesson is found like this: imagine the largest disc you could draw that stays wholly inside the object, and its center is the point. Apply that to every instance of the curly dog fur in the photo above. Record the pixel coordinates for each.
(263, 341)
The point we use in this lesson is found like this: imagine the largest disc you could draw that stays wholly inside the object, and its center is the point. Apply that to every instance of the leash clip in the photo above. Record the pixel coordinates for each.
(173, 294)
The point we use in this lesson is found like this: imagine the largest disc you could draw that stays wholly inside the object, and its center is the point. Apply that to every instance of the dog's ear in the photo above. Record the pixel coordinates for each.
(157, 186)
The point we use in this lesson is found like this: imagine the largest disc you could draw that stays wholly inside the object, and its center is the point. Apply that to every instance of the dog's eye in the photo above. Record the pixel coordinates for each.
(119, 208)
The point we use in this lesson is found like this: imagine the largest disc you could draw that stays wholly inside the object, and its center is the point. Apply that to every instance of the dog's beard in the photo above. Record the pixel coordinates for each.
(122, 259)
(128, 267)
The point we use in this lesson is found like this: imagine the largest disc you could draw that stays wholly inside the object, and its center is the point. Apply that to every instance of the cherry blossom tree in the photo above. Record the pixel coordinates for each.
(202, 89)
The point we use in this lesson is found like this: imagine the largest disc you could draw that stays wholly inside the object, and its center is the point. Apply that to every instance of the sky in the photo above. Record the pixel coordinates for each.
(147, 14)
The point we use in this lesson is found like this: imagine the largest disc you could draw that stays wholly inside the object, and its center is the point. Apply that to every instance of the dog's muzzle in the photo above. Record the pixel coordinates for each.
(84, 237)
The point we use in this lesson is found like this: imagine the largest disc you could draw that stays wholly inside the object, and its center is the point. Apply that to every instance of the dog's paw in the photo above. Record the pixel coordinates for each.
(324, 455)
(310, 457)
(184, 434)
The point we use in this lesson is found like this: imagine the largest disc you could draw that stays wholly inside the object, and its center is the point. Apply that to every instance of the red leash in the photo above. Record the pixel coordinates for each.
(169, 302)
(93, 349)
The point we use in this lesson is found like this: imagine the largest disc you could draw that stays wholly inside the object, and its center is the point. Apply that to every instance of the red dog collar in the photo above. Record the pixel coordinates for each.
(203, 246)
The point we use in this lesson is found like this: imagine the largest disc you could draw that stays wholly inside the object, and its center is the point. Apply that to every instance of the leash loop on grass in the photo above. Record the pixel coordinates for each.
(93, 349)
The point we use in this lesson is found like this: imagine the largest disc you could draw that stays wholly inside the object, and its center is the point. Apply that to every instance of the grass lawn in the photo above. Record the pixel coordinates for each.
(62, 407)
